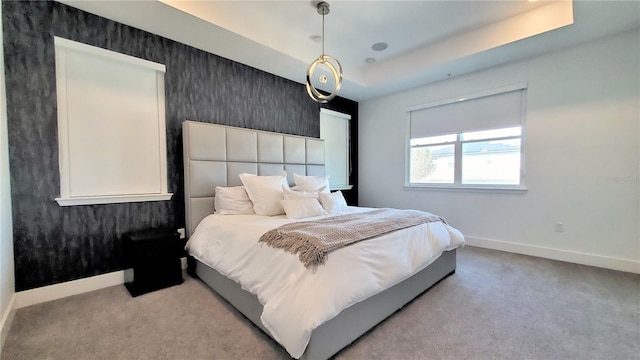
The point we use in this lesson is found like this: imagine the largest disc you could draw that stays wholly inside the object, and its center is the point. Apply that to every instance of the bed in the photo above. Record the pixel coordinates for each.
(215, 155)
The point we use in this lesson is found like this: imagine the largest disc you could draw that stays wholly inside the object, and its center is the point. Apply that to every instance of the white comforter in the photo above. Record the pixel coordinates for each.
(296, 300)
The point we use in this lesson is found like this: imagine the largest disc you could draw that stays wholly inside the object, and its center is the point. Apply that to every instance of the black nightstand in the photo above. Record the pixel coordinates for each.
(154, 256)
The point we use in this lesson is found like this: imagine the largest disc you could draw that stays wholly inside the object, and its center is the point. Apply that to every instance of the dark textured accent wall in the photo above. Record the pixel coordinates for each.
(53, 244)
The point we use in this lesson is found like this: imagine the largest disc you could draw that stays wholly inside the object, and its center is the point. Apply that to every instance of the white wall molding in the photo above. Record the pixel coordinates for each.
(557, 254)
(6, 321)
(74, 287)
(69, 288)
(112, 199)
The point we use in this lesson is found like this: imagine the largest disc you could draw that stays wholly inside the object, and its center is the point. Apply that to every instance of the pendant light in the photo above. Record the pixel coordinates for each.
(331, 63)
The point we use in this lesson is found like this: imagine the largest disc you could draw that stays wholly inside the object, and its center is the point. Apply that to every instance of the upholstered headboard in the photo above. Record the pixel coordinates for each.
(214, 155)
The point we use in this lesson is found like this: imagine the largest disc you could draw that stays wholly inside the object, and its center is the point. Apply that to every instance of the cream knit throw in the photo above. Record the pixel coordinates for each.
(314, 239)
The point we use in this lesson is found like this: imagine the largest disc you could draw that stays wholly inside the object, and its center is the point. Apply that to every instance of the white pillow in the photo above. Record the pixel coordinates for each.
(265, 192)
(298, 188)
(312, 183)
(233, 201)
(302, 208)
(290, 194)
(333, 202)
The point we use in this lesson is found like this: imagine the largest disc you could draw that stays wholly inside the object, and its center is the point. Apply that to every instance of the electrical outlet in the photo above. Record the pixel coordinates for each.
(559, 226)
(182, 233)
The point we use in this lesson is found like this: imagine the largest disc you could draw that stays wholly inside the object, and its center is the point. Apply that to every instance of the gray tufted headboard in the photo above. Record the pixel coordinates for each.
(214, 155)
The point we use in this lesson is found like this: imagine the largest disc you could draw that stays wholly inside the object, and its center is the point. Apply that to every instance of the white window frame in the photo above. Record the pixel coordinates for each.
(334, 182)
(154, 190)
(457, 184)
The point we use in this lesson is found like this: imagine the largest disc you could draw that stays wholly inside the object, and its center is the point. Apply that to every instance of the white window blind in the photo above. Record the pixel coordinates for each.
(455, 116)
(334, 130)
(111, 126)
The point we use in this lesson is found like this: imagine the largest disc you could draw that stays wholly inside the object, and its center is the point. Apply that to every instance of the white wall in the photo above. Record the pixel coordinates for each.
(582, 157)
(7, 274)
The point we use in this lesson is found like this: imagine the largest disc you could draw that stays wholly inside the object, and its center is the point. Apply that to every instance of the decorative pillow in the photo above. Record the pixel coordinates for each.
(265, 192)
(233, 201)
(302, 208)
(298, 188)
(290, 193)
(333, 202)
(312, 183)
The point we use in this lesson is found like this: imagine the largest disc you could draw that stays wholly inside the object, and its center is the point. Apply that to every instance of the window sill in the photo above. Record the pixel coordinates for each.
(111, 199)
(340, 187)
(494, 188)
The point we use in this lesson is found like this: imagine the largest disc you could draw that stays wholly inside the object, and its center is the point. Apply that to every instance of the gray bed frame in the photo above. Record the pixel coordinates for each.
(214, 155)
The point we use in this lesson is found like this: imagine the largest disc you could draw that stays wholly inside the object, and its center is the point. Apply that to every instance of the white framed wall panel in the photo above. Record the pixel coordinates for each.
(111, 126)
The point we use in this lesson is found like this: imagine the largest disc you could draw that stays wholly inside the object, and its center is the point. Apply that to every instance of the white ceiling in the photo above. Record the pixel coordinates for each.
(428, 40)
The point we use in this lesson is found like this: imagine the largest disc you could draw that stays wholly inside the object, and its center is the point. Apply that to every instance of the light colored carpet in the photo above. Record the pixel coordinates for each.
(496, 306)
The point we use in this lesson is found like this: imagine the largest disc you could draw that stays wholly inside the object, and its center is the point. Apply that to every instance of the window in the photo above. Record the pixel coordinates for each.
(111, 126)
(334, 130)
(470, 142)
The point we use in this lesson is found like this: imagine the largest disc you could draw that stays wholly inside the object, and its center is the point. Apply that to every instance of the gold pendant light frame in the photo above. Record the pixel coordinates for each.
(331, 63)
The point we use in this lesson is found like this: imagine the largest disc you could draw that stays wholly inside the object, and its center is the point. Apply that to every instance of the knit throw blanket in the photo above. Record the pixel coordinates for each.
(314, 239)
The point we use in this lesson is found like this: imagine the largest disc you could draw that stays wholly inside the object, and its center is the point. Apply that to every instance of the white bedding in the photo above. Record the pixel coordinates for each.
(295, 299)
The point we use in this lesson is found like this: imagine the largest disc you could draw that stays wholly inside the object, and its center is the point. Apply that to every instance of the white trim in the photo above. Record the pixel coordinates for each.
(340, 187)
(162, 134)
(335, 113)
(471, 96)
(523, 139)
(69, 288)
(63, 126)
(111, 199)
(506, 188)
(7, 320)
(407, 151)
(93, 50)
(75, 287)
(627, 265)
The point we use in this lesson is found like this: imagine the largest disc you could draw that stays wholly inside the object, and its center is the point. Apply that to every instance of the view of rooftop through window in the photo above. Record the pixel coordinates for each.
(486, 157)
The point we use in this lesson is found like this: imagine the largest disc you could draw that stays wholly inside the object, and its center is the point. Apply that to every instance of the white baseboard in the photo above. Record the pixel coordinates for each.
(7, 320)
(626, 265)
(69, 288)
(75, 287)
